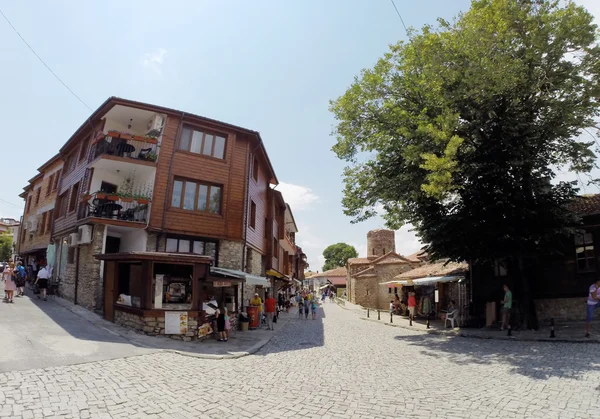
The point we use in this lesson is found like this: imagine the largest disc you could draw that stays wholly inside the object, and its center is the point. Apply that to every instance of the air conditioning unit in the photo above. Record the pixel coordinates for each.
(84, 234)
(72, 241)
(155, 125)
(34, 226)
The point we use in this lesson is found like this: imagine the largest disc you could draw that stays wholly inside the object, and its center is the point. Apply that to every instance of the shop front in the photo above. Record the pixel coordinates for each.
(161, 293)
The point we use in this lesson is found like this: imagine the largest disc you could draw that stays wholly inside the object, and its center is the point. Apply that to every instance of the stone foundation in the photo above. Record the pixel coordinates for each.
(155, 326)
(561, 309)
(230, 255)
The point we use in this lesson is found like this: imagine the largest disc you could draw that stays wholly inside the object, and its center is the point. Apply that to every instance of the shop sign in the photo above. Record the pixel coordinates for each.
(222, 284)
(176, 323)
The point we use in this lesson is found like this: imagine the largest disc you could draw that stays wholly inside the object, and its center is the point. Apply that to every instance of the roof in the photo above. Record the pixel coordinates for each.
(49, 162)
(337, 281)
(357, 261)
(332, 272)
(156, 256)
(113, 100)
(415, 257)
(366, 272)
(585, 205)
(441, 268)
(293, 221)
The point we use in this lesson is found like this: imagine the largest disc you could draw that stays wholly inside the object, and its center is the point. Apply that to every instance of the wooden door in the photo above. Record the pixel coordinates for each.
(109, 290)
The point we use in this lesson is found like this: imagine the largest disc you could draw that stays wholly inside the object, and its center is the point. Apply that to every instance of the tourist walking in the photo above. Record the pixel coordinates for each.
(42, 281)
(412, 305)
(21, 276)
(270, 307)
(506, 308)
(313, 308)
(300, 304)
(307, 301)
(227, 324)
(220, 315)
(9, 282)
(593, 302)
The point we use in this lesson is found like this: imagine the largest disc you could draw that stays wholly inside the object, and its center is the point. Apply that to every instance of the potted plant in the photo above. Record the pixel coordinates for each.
(126, 197)
(86, 197)
(113, 197)
(126, 189)
(126, 136)
(151, 157)
(114, 133)
(101, 195)
(142, 199)
(151, 140)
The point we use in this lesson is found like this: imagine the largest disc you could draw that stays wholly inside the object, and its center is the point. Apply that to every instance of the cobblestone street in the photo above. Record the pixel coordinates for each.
(337, 366)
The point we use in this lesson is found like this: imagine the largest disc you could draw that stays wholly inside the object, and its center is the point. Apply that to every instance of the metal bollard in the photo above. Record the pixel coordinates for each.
(428, 322)
(552, 334)
(378, 315)
(410, 320)
(391, 317)
(367, 312)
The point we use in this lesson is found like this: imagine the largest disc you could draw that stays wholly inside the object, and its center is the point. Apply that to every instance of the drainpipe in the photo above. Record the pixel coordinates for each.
(76, 277)
(169, 183)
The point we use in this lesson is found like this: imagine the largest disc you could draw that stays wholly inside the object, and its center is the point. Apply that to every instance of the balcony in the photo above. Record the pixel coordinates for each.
(117, 145)
(120, 210)
(288, 244)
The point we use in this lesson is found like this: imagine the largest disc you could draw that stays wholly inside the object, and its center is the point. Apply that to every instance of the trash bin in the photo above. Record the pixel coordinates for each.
(244, 326)
(254, 315)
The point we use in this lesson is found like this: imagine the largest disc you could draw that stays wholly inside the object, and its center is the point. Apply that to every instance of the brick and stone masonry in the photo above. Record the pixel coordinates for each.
(380, 242)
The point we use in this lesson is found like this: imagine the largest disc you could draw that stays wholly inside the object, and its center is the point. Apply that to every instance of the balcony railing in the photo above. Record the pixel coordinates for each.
(125, 145)
(101, 205)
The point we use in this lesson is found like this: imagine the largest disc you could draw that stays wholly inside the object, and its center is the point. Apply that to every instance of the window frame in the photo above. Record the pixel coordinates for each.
(586, 246)
(252, 215)
(38, 193)
(56, 179)
(50, 184)
(255, 168)
(73, 198)
(84, 147)
(191, 241)
(198, 184)
(204, 132)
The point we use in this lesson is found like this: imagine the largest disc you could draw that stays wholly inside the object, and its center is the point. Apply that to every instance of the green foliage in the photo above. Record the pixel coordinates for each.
(5, 247)
(337, 255)
(459, 131)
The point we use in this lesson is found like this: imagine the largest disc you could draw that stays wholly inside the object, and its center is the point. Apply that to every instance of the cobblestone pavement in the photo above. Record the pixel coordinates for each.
(336, 367)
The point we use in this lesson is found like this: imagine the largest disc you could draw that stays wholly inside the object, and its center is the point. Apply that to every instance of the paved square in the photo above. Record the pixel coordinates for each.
(335, 367)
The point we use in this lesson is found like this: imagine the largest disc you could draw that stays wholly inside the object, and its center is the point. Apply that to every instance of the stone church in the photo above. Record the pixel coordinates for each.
(382, 264)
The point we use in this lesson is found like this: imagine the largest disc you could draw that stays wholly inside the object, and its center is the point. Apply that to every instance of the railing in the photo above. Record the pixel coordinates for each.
(100, 205)
(125, 145)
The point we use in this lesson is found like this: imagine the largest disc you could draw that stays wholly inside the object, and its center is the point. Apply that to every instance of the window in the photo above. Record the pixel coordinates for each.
(255, 169)
(49, 221)
(275, 248)
(191, 245)
(84, 148)
(193, 196)
(29, 203)
(50, 184)
(584, 252)
(56, 178)
(61, 205)
(252, 214)
(500, 267)
(200, 142)
(71, 255)
(37, 196)
(74, 197)
(42, 226)
(70, 163)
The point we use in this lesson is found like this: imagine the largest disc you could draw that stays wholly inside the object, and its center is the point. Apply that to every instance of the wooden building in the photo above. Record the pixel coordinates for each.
(144, 178)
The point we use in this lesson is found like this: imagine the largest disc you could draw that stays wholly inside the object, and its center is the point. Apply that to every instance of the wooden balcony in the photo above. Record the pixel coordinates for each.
(111, 209)
(134, 148)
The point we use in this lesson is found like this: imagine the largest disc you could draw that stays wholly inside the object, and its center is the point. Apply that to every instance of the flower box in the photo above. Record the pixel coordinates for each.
(113, 134)
(127, 199)
(142, 201)
(113, 197)
(100, 195)
(86, 197)
(151, 140)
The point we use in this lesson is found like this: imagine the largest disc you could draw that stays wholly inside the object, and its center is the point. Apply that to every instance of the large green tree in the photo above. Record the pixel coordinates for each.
(459, 131)
(337, 255)
(5, 247)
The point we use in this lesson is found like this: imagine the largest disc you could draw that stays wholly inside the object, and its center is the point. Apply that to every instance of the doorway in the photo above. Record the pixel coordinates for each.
(113, 244)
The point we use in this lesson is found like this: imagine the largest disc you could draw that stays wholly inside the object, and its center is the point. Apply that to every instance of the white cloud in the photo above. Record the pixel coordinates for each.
(154, 60)
(406, 241)
(299, 197)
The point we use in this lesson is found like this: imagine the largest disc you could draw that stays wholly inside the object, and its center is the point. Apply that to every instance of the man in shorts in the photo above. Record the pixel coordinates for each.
(593, 302)
(412, 305)
(42, 281)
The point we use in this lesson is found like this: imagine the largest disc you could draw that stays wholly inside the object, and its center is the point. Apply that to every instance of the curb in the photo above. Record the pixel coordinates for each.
(466, 335)
(82, 312)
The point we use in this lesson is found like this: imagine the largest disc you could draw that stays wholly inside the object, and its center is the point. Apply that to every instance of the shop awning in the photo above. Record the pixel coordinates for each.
(430, 280)
(397, 283)
(250, 279)
(273, 272)
(298, 282)
(257, 280)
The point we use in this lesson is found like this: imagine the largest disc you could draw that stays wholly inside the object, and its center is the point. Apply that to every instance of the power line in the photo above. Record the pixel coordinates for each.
(400, 16)
(42, 61)
(10, 203)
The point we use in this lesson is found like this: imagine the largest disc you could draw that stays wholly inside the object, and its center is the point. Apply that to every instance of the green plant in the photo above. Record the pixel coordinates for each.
(151, 157)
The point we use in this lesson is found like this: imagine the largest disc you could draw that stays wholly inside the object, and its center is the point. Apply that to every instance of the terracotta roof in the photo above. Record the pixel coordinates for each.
(435, 269)
(387, 255)
(586, 205)
(365, 272)
(357, 261)
(414, 257)
(331, 272)
(402, 261)
(338, 281)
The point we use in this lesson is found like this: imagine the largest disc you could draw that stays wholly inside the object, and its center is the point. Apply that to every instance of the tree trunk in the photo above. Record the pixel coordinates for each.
(529, 318)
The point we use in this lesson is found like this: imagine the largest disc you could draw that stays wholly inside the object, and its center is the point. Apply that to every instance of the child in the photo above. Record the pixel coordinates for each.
(313, 308)
(392, 307)
(300, 307)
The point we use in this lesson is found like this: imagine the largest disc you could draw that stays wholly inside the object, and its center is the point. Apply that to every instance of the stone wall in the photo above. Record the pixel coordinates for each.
(230, 254)
(254, 262)
(90, 290)
(561, 309)
(154, 326)
(380, 242)
(366, 291)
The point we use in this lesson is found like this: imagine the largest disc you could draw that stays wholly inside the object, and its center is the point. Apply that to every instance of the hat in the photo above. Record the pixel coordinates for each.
(256, 295)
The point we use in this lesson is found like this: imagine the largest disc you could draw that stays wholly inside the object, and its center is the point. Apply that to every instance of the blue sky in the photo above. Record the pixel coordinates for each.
(271, 66)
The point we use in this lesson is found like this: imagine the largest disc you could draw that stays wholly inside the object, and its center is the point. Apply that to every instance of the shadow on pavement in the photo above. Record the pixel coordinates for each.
(532, 359)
